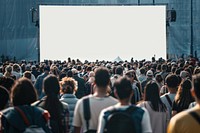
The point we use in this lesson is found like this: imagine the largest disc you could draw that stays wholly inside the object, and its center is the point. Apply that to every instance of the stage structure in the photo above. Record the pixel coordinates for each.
(19, 31)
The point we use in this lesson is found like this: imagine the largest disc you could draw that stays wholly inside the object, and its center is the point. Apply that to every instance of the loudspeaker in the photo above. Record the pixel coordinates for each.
(173, 15)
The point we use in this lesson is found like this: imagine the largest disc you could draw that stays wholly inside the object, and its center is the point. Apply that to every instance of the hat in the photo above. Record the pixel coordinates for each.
(74, 71)
(33, 66)
(173, 63)
(149, 73)
(184, 74)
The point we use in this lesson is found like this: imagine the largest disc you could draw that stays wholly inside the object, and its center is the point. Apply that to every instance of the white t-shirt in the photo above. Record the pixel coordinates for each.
(145, 123)
(165, 101)
(97, 104)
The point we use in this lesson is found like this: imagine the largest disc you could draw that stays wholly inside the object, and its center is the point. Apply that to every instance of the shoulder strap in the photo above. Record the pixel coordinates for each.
(23, 116)
(195, 116)
(39, 102)
(168, 99)
(86, 110)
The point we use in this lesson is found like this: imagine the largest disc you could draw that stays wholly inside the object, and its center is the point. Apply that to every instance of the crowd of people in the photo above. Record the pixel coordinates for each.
(159, 96)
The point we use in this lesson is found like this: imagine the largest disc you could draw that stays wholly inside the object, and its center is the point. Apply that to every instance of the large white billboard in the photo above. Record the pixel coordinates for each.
(102, 32)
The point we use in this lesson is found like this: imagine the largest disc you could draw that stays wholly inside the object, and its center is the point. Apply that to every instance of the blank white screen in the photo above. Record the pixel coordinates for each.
(102, 32)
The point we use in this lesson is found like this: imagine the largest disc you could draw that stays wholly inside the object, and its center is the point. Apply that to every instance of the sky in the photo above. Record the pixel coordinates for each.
(102, 32)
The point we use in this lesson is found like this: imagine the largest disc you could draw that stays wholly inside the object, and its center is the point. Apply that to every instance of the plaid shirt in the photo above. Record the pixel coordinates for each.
(66, 118)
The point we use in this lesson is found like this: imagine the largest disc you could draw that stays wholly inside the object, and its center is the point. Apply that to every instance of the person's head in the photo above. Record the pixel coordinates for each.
(91, 77)
(69, 73)
(102, 77)
(16, 68)
(142, 70)
(7, 82)
(123, 88)
(27, 74)
(158, 68)
(46, 69)
(130, 74)
(119, 70)
(196, 70)
(68, 85)
(151, 91)
(8, 71)
(149, 74)
(23, 92)
(164, 67)
(184, 90)
(159, 78)
(4, 97)
(184, 75)
(196, 86)
(51, 85)
(79, 68)
(172, 81)
(151, 94)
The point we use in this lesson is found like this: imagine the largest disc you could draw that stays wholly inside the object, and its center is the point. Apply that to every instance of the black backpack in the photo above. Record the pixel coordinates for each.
(120, 121)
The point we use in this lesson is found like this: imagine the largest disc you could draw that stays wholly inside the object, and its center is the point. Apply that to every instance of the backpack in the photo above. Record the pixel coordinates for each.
(15, 120)
(31, 128)
(87, 115)
(120, 121)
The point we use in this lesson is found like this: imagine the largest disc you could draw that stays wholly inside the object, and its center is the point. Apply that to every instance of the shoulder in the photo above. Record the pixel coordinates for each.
(163, 96)
(39, 103)
(9, 112)
(184, 116)
(181, 120)
(112, 99)
(65, 105)
(80, 103)
(141, 104)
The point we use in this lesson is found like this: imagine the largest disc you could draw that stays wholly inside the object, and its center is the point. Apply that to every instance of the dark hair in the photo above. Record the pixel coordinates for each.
(52, 103)
(102, 77)
(69, 73)
(123, 87)
(113, 70)
(119, 70)
(196, 85)
(158, 67)
(7, 82)
(79, 68)
(164, 67)
(172, 81)
(4, 97)
(142, 70)
(183, 97)
(159, 78)
(151, 93)
(23, 92)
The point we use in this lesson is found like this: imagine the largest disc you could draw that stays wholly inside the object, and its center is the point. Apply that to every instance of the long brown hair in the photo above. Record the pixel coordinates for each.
(52, 103)
(183, 97)
(23, 92)
(151, 94)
